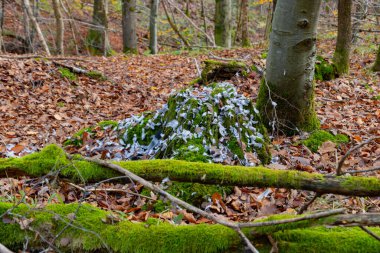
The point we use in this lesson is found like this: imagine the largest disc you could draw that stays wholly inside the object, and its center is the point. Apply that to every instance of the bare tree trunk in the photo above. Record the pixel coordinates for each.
(59, 26)
(376, 66)
(97, 38)
(203, 15)
(286, 97)
(245, 24)
(36, 26)
(222, 32)
(343, 42)
(73, 27)
(129, 26)
(268, 25)
(153, 26)
(1, 24)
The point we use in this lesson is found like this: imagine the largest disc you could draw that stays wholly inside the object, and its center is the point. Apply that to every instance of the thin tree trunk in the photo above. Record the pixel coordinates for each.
(268, 25)
(1, 24)
(343, 43)
(73, 27)
(245, 24)
(36, 26)
(97, 36)
(286, 97)
(153, 26)
(129, 26)
(203, 15)
(59, 26)
(376, 66)
(223, 15)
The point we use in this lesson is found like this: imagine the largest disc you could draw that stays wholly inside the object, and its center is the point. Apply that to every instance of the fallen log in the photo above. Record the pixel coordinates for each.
(49, 158)
(83, 228)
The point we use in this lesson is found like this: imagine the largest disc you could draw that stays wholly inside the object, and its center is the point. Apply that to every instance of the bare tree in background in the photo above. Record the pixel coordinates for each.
(129, 26)
(245, 24)
(97, 37)
(343, 42)
(36, 26)
(223, 16)
(153, 26)
(59, 26)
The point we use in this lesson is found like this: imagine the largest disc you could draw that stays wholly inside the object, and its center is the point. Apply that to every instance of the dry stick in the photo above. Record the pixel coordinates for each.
(306, 205)
(247, 241)
(4, 249)
(370, 233)
(362, 171)
(173, 26)
(20, 57)
(340, 164)
(72, 68)
(192, 23)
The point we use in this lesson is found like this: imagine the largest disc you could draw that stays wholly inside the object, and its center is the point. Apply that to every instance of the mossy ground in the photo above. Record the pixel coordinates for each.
(317, 138)
(66, 73)
(324, 70)
(95, 230)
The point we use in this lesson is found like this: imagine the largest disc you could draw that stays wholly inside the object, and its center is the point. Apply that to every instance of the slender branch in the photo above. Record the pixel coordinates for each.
(340, 164)
(370, 233)
(4, 249)
(362, 171)
(306, 205)
(247, 241)
(20, 57)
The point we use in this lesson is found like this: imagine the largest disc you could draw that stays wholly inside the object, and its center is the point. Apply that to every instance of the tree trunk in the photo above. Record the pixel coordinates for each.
(223, 16)
(286, 97)
(59, 26)
(245, 24)
(343, 42)
(129, 26)
(36, 26)
(1, 24)
(376, 66)
(153, 26)
(97, 36)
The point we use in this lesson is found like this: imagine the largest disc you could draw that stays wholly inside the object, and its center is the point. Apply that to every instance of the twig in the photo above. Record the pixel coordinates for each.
(197, 66)
(340, 164)
(20, 57)
(229, 59)
(108, 190)
(362, 171)
(4, 249)
(370, 233)
(274, 244)
(306, 205)
(247, 241)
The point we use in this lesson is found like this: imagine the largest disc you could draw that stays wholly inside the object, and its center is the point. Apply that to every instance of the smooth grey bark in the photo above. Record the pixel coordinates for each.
(97, 38)
(286, 96)
(129, 26)
(245, 24)
(223, 16)
(343, 42)
(36, 26)
(153, 26)
(59, 26)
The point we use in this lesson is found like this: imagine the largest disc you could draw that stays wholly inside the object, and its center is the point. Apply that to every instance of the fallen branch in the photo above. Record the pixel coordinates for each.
(38, 164)
(57, 58)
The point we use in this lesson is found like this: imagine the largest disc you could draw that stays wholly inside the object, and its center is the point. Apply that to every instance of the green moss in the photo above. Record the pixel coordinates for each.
(317, 138)
(322, 239)
(214, 68)
(99, 233)
(53, 158)
(324, 70)
(236, 148)
(66, 73)
(123, 236)
(108, 123)
(96, 75)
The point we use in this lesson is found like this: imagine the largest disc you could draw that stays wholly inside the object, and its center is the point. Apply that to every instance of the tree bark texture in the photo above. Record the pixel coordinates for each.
(36, 26)
(1, 24)
(223, 16)
(245, 24)
(129, 26)
(97, 37)
(153, 26)
(343, 42)
(286, 97)
(376, 66)
(59, 26)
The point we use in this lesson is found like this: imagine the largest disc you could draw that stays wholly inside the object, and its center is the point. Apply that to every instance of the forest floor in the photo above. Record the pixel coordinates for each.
(39, 106)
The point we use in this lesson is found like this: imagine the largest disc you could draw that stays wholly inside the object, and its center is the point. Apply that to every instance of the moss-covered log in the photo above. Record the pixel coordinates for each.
(93, 230)
(214, 71)
(52, 157)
